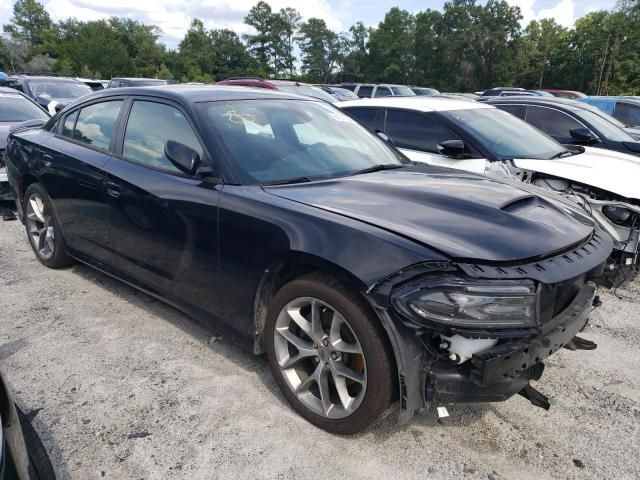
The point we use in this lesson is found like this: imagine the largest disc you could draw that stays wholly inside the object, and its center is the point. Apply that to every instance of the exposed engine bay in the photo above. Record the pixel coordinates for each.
(618, 216)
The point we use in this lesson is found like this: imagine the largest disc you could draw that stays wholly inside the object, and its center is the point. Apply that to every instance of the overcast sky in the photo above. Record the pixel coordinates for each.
(174, 16)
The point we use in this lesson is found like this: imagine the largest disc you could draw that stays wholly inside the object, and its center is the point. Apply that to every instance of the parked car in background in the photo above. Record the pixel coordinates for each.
(367, 280)
(15, 108)
(290, 86)
(374, 90)
(137, 82)
(22, 455)
(51, 93)
(480, 138)
(94, 84)
(470, 96)
(570, 122)
(570, 94)
(341, 94)
(425, 91)
(625, 109)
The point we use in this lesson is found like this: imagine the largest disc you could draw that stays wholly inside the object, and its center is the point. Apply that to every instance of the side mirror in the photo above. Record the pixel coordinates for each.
(583, 134)
(185, 158)
(385, 137)
(453, 149)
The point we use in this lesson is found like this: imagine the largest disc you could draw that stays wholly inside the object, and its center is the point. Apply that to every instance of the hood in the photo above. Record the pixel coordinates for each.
(608, 170)
(464, 216)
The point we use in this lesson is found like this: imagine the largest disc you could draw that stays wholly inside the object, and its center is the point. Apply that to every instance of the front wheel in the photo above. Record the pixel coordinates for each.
(328, 354)
(42, 228)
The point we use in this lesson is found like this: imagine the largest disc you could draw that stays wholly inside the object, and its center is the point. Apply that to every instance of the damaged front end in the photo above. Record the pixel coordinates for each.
(618, 216)
(468, 332)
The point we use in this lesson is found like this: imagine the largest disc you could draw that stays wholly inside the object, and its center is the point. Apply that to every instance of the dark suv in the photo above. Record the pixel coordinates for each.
(51, 93)
(280, 221)
(571, 122)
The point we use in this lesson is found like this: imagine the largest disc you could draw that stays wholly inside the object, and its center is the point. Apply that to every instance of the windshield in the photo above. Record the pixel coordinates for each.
(504, 135)
(605, 126)
(403, 91)
(16, 108)
(275, 140)
(58, 89)
(308, 91)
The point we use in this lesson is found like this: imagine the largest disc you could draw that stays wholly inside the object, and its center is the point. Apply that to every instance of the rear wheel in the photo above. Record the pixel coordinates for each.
(329, 354)
(42, 228)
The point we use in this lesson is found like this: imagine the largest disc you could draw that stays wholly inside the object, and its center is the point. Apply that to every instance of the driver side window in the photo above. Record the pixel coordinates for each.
(416, 131)
(149, 127)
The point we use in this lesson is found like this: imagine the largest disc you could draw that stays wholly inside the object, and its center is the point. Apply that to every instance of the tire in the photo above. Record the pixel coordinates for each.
(43, 230)
(309, 360)
(40, 467)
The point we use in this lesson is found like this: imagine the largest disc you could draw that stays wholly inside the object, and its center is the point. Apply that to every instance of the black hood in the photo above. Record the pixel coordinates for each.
(464, 216)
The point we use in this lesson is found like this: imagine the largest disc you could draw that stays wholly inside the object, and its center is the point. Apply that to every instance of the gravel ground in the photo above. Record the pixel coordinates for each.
(121, 386)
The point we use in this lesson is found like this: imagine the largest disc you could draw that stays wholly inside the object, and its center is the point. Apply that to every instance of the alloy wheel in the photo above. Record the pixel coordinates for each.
(40, 226)
(320, 357)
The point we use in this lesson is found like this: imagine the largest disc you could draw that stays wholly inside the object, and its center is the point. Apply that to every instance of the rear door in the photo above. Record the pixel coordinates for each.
(417, 135)
(164, 224)
(73, 159)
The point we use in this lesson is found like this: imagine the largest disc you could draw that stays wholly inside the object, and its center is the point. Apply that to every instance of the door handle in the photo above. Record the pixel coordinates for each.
(47, 159)
(113, 189)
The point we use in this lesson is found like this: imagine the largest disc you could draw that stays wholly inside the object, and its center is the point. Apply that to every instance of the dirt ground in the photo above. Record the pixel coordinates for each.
(121, 386)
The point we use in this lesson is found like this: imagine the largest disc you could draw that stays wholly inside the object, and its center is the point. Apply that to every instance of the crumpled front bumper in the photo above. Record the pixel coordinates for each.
(506, 369)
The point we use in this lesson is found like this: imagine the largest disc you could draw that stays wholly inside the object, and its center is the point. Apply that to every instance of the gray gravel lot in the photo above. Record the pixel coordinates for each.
(124, 387)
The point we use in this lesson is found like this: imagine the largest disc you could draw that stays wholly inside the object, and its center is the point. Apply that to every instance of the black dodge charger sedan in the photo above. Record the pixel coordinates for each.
(367, 280)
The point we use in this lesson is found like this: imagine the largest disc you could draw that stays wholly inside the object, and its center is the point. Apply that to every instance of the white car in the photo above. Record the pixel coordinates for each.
(482, 139)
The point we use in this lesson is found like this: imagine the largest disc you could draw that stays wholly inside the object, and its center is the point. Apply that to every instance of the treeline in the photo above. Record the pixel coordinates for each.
(465, 47)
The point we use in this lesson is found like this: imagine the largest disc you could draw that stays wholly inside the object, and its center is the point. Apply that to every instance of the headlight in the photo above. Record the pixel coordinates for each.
(463, 303)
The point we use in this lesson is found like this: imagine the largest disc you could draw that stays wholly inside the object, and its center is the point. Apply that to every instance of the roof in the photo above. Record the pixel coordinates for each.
(48, 78)
(198, 93)
(9, 91)
(557, 101)
(133, 79)
(612, 98)
(418, 103)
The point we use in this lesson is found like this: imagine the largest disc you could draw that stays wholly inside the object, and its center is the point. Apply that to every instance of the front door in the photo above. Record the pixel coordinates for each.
(163, 224)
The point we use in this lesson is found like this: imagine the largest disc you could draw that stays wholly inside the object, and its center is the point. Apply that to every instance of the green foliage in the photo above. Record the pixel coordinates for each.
(469, 45)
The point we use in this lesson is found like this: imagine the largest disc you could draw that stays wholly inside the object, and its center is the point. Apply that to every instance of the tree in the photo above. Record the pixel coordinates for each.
(261, 44)
(289, 20)
(320, 48)
(391, 48)
(30, 22)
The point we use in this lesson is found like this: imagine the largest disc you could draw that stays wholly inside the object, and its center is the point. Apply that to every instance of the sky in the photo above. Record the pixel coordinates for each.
(174, 16)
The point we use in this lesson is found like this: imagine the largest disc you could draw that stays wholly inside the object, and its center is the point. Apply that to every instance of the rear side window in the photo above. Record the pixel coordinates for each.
(383, 92)
(552, 122)
(365, 91)
(96, 123)
(69, 124)
(627, 113)
(416, 131)
(366, 116)
(517, 110)
(149, 127)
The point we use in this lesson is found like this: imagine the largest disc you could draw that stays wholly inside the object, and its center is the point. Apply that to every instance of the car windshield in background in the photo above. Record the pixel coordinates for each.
(505, 135)
(147, 83)
(403, 91)
(308, 91)
(272, 141)
(608, 128)
(58, 89)
(16, 108)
